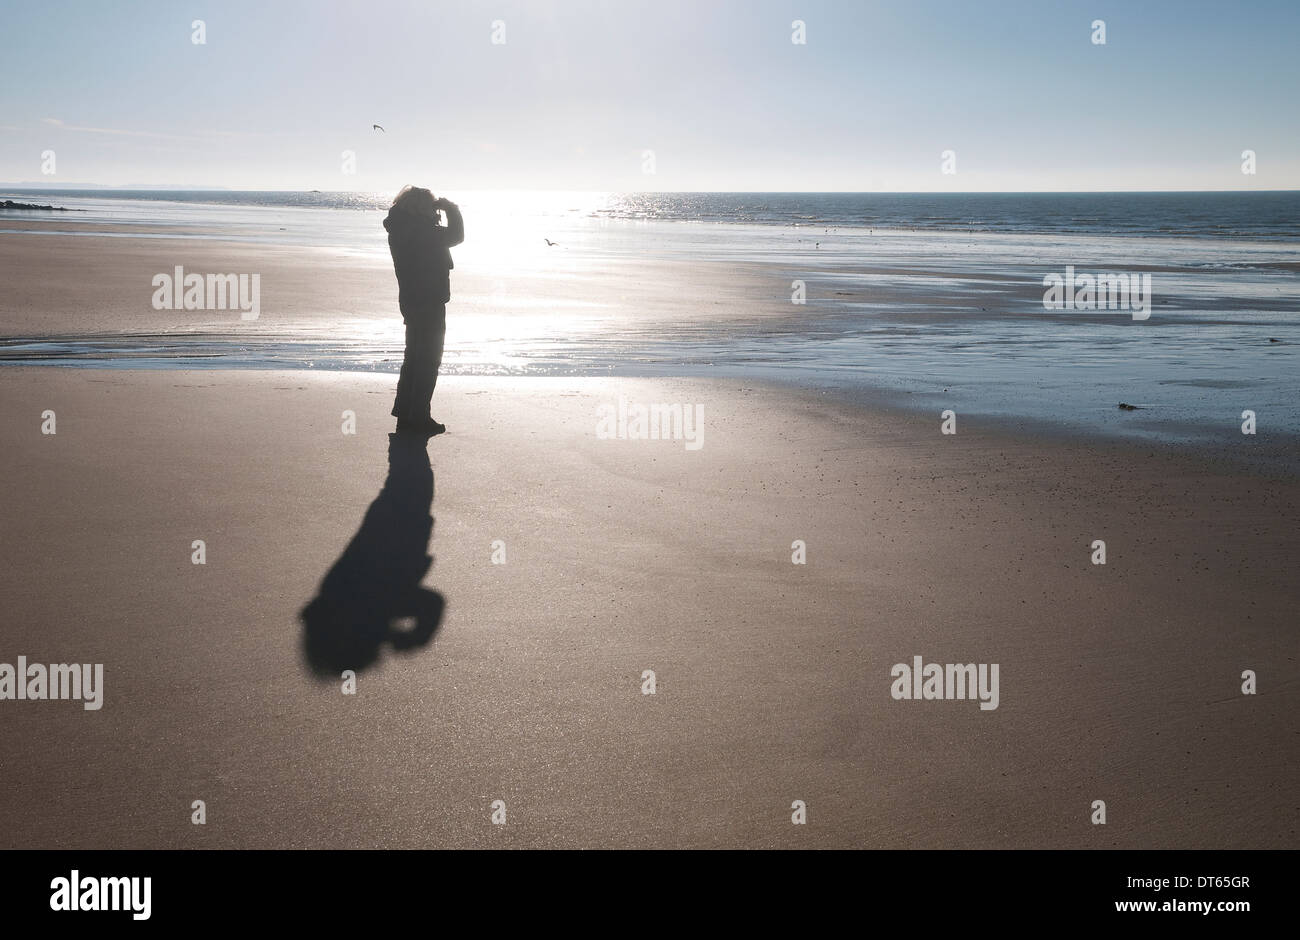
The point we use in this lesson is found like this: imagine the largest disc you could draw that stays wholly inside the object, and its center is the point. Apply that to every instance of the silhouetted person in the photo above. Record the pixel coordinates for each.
(420, 247)
(377, 579)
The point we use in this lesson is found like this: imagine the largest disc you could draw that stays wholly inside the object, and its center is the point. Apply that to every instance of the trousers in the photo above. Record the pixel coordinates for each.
(425, 333)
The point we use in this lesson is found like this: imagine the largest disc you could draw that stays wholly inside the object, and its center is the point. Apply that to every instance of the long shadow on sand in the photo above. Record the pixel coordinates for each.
(376, 581)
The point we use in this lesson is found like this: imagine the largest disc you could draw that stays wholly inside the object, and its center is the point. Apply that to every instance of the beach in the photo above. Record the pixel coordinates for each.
(922, 319)
(541, 630)
(1119, 682)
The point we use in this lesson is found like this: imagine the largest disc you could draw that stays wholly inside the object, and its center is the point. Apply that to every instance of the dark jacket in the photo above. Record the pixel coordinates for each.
(421, 258)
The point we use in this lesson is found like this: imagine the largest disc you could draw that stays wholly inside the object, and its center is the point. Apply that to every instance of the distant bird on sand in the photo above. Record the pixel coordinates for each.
(549, 243)
(378, 128)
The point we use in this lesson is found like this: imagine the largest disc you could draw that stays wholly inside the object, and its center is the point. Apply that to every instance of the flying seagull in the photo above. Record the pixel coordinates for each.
(378, 128)
(549, 243)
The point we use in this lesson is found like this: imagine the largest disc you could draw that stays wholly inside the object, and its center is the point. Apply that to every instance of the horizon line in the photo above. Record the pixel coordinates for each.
(27, 185)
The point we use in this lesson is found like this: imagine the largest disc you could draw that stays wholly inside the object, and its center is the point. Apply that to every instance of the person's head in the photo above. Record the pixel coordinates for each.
(416, 201)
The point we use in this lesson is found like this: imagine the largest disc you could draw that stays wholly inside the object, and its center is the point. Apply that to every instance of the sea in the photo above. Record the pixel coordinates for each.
(925, 301)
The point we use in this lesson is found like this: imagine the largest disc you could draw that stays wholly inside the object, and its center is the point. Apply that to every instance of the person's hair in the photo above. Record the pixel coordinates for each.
(416, 201)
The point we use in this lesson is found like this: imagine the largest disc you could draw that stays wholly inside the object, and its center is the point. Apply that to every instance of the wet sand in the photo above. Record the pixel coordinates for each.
(1119, 682)
(60, 285)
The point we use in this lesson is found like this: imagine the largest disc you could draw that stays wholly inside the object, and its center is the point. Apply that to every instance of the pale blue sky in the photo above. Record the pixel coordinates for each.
(714, 87)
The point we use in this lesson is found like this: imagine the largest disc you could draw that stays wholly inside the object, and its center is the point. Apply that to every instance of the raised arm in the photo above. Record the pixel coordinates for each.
(455, 232)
